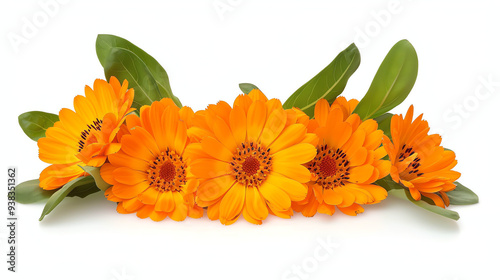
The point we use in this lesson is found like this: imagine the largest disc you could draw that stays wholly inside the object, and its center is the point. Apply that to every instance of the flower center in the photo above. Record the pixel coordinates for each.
(412, 171)
(251, 164)
(167, 172)
(330, 167)
(87, 136)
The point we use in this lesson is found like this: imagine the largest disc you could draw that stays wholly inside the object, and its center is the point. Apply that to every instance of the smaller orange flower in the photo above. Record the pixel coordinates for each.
(150, 175)
(86, 136)
(348, 161)
(418, 161)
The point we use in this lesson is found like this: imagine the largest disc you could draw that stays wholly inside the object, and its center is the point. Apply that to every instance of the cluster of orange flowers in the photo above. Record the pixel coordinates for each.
(251, 159)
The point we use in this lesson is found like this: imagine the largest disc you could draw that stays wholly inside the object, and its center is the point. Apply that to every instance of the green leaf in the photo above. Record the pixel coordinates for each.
(35, 123)
(384, 123)
(61, 193)
(388, 184)
(105, 47)
(246, 88)
(328, 84)
(95, 172)
(84, 190)
(30, 192)
(461, 195)
(405, 194)
(124, 64)
(392, 83)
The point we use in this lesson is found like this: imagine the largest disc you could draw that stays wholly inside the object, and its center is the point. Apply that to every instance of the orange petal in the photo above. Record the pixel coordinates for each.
(232, 203)
(129, 176)
(295, 190)
(209, 168)
(255, 204)
(214, 188)
(256, 118)
(275, 197)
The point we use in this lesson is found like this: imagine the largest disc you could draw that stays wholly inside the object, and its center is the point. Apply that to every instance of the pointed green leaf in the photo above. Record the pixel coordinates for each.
(461, 195)
(84, 189)
(246, 88)
(124, 64)
(35, 123)
(62, 193)
(30, 192)
(95, 172)
(405, 194)
(328, 84)
(105, 47)
(392, 83)
(388, 184)
(384, 124)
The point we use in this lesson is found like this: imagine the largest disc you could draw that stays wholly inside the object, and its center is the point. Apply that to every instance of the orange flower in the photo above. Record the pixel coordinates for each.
(418, 160)
(250, 158)
(347, 163)
(150, 174)
(85, 137)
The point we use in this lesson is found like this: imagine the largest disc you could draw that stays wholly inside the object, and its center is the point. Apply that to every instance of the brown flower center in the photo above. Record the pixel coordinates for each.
(330, 167)
(412, 171)
(87, 136)
(167, 172)
(251, 164)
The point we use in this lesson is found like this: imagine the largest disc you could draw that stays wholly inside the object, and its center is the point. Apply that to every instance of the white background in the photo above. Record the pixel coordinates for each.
(277, 45)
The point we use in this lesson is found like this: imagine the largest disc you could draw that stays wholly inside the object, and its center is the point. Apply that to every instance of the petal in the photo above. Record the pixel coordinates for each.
(273, 127)
(165, 202)
(291, 135)
(238, 124)
(293, 171)
(146, 140)
(149, 196)
(255, 204)
(129, 176)
(256, 118)
(331, 197)
(321, 112)
(275, 197)
(300, 153)
(352, 210)
(122, 159)
(215, 148)
(129, 191)
(209, 168)
(232, 203)
(133, 147)
(180, 211)
(361, 174)
(214, 188)
(295, 190)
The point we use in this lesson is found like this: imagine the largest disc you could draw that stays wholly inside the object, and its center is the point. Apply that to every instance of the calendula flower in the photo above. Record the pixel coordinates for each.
(150, 175)
(418, 161)
(250, 158)
(348, 162)
(86, 136)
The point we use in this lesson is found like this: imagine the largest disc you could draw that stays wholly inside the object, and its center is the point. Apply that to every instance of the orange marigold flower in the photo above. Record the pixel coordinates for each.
(418, 161)
(86, 136)
(348, 162)
(150, 175)
(250, 158)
